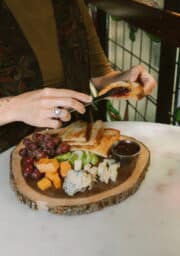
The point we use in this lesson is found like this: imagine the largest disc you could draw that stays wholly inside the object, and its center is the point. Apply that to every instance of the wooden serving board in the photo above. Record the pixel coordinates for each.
(102, 195)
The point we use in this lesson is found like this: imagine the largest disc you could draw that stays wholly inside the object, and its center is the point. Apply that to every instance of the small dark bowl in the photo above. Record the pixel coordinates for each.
(126, 151)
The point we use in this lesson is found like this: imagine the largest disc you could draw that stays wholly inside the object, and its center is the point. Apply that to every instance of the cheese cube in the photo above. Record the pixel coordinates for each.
(54, 177)
(44, 184)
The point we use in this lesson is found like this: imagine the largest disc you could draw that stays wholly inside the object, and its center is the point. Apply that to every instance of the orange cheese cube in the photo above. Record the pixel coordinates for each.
(45, 165)
(56, 180)
(65, 167)
(44, 184)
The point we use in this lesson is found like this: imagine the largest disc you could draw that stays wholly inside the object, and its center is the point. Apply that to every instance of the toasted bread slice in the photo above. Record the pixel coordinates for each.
(109, 137)
(76, 132)
(95, 133)
(126, 90)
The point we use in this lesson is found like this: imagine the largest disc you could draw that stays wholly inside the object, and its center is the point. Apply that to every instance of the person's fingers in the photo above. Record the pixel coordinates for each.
(53, 92)
(140, 74)
(51, 123)
(67, 103)
(134, 73)
(64, 114)
(149, 86)
(148, 82)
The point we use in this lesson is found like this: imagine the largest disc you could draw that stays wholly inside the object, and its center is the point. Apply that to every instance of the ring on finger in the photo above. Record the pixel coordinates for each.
(57, 111)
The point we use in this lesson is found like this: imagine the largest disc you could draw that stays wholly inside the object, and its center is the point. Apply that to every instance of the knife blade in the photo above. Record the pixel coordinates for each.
(93, 102)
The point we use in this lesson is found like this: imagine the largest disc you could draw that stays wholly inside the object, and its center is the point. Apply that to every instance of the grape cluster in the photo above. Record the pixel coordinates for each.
(40, 146)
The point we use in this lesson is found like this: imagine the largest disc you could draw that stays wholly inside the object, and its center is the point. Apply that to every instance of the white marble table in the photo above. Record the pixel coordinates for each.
(146, 224)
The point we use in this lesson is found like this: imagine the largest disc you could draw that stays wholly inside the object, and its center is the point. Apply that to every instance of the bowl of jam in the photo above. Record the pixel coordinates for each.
(126, 151)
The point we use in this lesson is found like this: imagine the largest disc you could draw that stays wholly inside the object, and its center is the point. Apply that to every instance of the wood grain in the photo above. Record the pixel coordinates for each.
(79, 204)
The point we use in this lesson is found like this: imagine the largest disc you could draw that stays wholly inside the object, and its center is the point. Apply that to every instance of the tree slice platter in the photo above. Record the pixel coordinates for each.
(102, 195)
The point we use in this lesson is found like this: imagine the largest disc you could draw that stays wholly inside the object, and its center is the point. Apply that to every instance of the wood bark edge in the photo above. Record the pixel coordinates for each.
(82, 209)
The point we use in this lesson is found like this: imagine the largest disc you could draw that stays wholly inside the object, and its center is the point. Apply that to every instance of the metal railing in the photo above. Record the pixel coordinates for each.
(161, 27)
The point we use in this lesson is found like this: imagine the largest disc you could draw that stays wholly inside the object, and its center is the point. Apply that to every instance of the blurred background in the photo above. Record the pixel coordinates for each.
(143, 32)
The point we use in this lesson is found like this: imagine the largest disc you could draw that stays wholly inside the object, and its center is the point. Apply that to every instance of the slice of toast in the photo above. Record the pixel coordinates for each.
(121, 89)
(75, 132)
(110, 136)
(94, 135)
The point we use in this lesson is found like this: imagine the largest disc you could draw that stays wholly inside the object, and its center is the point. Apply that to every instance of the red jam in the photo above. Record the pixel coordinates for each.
(119, 92)
(126, 148)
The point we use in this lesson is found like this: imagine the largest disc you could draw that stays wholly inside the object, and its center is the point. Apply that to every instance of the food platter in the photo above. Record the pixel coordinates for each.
(101, 195)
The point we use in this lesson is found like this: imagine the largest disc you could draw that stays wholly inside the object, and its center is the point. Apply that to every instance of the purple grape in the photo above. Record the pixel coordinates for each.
(38, 137)
(65, 147)
(26, 141)
(40, 154)
(29, 160)
(36, 175)
(58, 150)
(50, 144)
(62, 148)
(30, 153)
(26, 174)
(27, 170)
(47, 137)
(23, 152)
(32, 146)
(56, 140)
(50, 152)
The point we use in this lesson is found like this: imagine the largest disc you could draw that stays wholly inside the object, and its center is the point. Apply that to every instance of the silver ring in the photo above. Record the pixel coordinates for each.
(57, 111)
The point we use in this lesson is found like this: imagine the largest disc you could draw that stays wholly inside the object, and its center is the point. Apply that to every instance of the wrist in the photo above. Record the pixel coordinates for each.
(14, 110)
(101, 82)
(8, 111)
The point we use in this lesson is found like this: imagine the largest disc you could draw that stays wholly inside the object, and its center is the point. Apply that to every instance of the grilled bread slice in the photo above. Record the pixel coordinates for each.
(94, 135)
(121, 89)
(110, 136)
(75, 132)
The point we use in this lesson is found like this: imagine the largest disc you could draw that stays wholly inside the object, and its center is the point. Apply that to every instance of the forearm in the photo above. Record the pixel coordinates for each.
(6, 110)
(110, 77)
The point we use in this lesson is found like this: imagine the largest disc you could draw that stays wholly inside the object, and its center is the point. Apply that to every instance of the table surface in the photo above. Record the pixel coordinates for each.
(145, 224)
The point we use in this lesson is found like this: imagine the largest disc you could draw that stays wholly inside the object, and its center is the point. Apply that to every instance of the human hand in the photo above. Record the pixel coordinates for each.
(140, 74)
(37, 108)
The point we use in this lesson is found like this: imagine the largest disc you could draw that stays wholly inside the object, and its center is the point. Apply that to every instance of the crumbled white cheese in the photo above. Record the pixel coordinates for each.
(93, 171)
(103, 172)
(114, 171)
(105, 176)
(87, 167)
(109, 161)
(77, 165)
(108, 170)
(77, 181)
(102, 167)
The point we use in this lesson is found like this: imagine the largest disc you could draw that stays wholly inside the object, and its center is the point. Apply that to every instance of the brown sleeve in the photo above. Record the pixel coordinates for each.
(99, 64)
